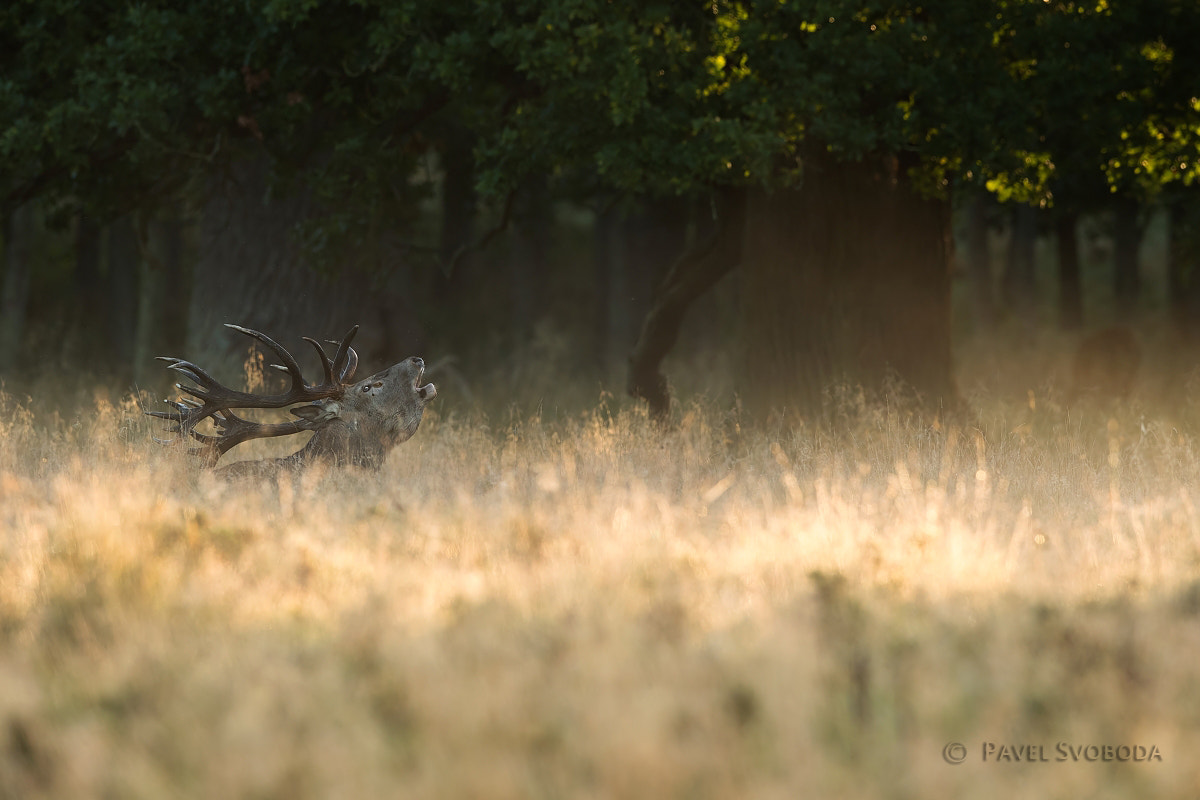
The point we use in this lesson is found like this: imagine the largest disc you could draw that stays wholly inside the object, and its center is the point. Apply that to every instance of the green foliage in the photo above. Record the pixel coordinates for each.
(108, 104)
(1109, 98)
(1023, 95)
(103, 100)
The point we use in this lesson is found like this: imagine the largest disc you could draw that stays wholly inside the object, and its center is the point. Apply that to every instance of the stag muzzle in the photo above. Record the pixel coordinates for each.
(428, 391)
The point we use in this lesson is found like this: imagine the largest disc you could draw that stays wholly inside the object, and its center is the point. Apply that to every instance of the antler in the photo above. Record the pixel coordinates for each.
(216, 400)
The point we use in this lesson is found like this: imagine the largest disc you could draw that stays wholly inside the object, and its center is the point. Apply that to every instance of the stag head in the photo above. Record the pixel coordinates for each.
(352, 423)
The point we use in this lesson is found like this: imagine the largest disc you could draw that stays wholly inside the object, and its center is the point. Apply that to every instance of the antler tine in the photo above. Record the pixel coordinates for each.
(289, 363)
(346, 360)
(235, 430)
(212, 400)
(183, 407)
(192, 372)
(326, 364)
(351, 365)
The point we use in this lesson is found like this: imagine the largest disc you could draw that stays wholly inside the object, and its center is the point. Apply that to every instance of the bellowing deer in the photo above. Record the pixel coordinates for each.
(353, 423)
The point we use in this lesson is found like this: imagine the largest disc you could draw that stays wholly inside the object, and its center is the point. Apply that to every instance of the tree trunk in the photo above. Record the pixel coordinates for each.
(87, 266)
(1019, 276)
(14, 296)
(528, 261)
(612, 311)
(147, 335)
(656, 235)
(250, 271)
(459, 210)
(1070, 289)
(86, 307)
(162, 297)
(845, 280)
(979, 260)
(123, 271)
(635, 250)
(176, 286)
(1127, 240)
(1183, 262)
(692, 274)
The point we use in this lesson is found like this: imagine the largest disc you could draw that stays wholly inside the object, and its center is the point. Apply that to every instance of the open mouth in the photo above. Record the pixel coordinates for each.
(426, 392)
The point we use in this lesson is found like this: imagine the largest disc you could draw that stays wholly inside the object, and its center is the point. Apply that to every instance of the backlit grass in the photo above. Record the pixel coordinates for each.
(579, 605)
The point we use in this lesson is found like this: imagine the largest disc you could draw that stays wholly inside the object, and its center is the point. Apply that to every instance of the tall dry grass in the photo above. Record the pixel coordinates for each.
(579, 605)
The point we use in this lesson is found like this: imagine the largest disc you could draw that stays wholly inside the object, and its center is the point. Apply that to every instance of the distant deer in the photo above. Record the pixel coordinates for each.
(1105, 365)
(353, 423)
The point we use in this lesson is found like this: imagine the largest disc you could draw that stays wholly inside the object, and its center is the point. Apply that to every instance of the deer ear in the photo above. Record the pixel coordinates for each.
(314, 413)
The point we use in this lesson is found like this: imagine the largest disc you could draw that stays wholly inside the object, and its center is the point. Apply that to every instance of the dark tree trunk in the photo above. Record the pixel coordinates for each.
(1070, 288)
(634, 252)
(459, 209)
(147, 340)
(845, 280)
(87, 267)
(1127, 240)
(656, 235)
(14, 294)
(250, 271)
(123, 261)
(1183, 262)
(979, 260)
(162, 297)
(1019, 276)
(86, 308)
(612, 311)
(690, 276)
(529, 258)
(176, 287)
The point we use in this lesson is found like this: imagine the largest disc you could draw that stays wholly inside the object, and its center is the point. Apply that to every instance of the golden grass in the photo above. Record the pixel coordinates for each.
(584, 606)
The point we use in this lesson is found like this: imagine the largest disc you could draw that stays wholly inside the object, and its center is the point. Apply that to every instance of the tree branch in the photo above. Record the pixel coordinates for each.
(21, 195)
(486, 238)
(692, 274)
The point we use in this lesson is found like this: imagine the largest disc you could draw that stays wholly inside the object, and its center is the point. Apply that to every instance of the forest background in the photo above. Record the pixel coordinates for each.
(845, 251)
(461, 179)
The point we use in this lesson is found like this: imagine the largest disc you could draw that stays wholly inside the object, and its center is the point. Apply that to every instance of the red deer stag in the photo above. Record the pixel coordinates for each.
(352, 423)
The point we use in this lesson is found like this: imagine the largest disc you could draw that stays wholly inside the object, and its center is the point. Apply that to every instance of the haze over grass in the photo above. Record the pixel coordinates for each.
(576, 604)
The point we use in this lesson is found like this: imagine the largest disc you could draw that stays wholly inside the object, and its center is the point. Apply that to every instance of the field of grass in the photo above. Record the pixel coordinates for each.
(575, 604)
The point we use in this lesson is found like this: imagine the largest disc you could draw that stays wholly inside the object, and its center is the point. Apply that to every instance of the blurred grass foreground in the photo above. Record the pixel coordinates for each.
(587, 606)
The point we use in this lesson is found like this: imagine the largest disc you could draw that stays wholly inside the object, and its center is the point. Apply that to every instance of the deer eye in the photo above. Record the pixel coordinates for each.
(367, 388)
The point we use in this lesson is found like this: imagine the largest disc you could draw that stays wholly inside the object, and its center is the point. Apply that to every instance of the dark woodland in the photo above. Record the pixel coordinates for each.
(830, 193)
(697, 400)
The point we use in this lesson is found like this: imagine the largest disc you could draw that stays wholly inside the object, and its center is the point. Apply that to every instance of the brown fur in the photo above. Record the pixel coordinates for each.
(352, 423)
(360, 428)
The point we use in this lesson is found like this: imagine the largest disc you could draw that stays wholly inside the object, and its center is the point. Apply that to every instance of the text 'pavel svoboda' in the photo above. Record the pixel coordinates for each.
(1064, 751)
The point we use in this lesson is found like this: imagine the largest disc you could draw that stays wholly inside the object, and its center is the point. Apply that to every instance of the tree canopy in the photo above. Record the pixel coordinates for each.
(108, 102)
(833, 128)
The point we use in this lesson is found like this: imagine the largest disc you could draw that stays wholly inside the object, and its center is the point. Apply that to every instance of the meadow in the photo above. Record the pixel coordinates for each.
(548, 599)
